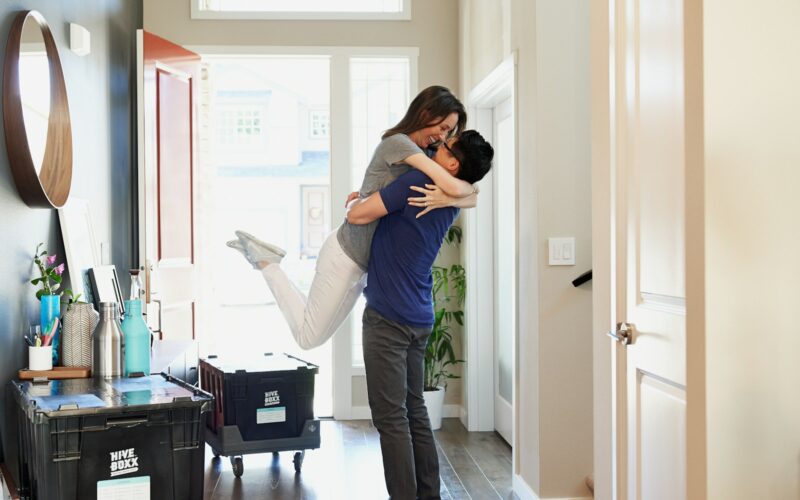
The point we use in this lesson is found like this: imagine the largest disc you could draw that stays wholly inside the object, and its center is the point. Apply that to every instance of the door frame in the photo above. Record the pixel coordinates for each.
(341, 184)
(499, 85)
(603, 247)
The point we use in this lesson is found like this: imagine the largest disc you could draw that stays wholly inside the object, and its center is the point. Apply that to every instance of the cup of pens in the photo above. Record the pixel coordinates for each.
(40, 350)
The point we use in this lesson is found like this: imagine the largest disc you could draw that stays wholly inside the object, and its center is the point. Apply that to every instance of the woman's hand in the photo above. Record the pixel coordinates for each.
(352, 196)
(433, 198)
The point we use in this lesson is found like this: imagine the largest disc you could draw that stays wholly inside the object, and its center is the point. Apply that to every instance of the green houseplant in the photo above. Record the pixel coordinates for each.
(449, 291)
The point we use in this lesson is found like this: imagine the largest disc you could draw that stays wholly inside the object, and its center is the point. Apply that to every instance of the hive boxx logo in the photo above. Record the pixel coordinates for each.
(124, 462)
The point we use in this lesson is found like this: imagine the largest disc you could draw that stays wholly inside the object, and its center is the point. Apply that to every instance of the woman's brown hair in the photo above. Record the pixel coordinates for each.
(431, 107)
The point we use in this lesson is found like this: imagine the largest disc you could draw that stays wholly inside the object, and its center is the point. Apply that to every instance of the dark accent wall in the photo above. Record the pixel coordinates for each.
(102, 99)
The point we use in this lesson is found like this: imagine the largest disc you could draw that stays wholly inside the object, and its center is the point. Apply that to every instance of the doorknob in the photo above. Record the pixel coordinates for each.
(623, 334)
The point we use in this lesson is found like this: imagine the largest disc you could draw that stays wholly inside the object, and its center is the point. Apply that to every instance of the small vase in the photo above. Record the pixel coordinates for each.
(79, 323)
(50, 309)
(137, 339)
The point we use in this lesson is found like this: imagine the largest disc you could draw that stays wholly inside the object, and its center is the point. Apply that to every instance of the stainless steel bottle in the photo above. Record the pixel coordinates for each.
(108, 343)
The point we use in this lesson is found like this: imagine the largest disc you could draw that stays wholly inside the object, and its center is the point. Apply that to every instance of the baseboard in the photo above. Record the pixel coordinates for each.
(451, 411)
(364, 413)
(521, 488)
(361, 413)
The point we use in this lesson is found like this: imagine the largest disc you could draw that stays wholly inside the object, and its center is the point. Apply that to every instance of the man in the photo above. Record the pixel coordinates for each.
(399, 314)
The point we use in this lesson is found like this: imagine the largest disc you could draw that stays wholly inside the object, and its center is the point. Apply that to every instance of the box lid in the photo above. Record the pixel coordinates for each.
(268, 362)
(58, 398)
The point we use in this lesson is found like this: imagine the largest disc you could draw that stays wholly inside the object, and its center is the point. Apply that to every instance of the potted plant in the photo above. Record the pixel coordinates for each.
(449, 290)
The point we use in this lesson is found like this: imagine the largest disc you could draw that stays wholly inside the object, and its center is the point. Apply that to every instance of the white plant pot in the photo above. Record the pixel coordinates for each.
(434, 402)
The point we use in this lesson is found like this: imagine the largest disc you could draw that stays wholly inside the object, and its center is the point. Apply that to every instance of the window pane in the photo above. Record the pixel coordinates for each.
(303, 5)
(269, 174)
(379, 90)
(379, 93)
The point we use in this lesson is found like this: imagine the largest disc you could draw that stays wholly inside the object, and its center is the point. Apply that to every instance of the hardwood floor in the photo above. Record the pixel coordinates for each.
(348, 466)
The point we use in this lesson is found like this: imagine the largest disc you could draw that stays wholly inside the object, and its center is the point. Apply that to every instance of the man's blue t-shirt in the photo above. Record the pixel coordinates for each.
(399, 279)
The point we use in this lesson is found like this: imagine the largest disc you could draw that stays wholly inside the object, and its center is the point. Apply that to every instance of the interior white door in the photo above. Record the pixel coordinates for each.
(505, 256)
(651, 119)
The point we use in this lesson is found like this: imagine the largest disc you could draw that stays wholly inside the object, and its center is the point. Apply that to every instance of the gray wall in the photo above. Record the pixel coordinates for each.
(101, 94)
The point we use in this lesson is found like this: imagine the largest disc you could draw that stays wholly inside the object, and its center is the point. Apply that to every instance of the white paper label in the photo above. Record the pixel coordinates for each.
(129, 488)
(271, 415)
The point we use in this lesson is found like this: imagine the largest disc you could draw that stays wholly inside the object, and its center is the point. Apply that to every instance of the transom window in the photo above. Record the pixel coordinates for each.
(302, 9)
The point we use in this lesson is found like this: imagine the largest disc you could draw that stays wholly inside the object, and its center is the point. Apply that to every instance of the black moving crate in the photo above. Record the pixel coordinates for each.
(262, 404)
(120, 438)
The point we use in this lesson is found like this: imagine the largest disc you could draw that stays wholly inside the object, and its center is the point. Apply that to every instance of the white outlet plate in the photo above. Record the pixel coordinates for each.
(561, 251)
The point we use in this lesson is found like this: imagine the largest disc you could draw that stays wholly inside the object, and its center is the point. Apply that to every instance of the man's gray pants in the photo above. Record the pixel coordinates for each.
(394, 362)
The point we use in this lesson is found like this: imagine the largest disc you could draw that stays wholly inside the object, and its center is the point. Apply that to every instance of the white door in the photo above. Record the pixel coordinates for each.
(167, 85)
(505, 256)
(652, 119)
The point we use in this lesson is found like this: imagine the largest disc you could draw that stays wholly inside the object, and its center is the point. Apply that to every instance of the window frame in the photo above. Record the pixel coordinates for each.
(200, 13)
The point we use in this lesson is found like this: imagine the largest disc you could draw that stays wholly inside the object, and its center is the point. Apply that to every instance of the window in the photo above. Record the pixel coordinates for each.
(379, 97)
(302, 9)
(319, 124)
(240, 126)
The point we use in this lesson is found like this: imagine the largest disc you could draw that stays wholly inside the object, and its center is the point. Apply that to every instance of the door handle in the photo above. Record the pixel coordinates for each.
(623, 334)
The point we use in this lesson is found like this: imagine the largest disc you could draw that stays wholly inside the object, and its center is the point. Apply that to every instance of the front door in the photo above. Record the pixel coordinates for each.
(651, 122)
(167, 84)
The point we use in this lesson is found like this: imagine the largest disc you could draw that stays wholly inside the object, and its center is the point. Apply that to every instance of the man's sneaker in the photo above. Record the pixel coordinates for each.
(259, 251)
(238, 245)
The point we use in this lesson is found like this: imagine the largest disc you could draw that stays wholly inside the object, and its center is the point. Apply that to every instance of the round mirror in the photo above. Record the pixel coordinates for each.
(36, 114)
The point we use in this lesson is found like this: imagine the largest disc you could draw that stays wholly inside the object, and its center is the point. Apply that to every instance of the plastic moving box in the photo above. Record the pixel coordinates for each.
(122, 438)
(262, 404)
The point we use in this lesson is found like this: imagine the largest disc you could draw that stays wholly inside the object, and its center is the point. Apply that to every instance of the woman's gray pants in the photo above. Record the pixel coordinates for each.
(393, 359)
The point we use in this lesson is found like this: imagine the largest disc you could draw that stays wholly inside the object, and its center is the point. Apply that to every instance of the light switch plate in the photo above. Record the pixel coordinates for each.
(561, 251)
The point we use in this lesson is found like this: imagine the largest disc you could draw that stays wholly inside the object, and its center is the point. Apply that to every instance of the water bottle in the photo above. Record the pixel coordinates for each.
(108, 343)
(136, 285)
(137, 339)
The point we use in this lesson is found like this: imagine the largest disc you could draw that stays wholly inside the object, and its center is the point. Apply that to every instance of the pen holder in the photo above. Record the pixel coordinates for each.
(40, 358)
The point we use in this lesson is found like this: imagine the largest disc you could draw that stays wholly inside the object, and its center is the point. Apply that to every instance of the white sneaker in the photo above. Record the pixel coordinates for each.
(237, 245)
(260, 251)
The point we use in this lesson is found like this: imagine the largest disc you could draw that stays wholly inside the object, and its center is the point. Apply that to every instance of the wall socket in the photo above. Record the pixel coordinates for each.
(561, 251)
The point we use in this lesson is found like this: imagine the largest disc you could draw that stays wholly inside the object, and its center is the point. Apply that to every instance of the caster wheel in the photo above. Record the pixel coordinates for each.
(238, 466)
(298, 460)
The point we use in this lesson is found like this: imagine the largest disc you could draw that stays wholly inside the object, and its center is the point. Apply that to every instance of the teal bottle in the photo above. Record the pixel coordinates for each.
(137, 339)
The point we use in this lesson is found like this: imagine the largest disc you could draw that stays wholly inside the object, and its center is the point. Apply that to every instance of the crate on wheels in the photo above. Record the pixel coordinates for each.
(110, 438)
(262, 404)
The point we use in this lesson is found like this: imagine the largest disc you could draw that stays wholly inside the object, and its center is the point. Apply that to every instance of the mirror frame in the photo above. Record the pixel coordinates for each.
(49, 189)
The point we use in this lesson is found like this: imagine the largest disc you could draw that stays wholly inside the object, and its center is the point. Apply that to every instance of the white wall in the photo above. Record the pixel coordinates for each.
(752, 175)
(551, 38)
(433, 28)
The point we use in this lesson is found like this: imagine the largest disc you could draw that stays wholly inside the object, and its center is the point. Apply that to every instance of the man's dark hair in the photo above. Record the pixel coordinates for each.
(474, 154)
(432, 106)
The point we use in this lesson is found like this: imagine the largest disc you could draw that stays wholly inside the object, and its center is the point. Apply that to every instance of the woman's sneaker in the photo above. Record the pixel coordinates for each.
(260, 251)
(238, 245)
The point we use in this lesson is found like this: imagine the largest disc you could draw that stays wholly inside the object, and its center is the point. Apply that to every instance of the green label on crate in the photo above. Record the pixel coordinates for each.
(271, 415)
(129, 488)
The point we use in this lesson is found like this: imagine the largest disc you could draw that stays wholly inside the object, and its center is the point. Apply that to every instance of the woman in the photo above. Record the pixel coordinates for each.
(340, 276)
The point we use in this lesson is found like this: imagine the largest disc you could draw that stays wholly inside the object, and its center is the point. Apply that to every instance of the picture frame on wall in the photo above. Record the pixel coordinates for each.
(105, 287)
(77, 231)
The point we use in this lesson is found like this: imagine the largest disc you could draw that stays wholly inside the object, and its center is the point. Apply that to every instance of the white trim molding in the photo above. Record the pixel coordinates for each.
(201, 13)
(525, 492)
(498, 86)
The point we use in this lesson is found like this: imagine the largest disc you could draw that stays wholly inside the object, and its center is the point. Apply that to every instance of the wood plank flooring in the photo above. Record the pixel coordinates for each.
(348, 466)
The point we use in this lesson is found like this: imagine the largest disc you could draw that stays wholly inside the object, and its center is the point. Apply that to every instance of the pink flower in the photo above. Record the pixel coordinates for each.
(60, 269)
(51, 259)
